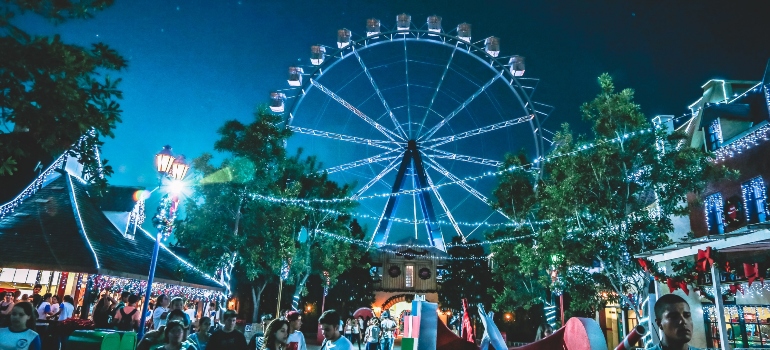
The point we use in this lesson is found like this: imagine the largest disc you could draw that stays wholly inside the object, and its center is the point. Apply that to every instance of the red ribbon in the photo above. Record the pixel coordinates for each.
(645, 264)
(672, 285)
(734, 288)
(683, 286)
(751, 271)
(704, 260)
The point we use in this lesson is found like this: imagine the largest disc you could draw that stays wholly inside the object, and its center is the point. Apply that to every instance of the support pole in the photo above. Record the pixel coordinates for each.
(278, 307)
(148, 291)
(653, 293)
(719, 307)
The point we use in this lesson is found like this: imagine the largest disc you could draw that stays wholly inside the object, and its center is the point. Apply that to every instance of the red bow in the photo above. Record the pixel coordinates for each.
(704, 260)
(672, 285)
(645, 264)
(751, 271)
(683, 285)
(734, 288)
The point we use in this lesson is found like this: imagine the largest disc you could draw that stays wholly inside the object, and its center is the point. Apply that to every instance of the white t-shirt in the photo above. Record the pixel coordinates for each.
(156, 317)
(340, 344)
(296, 341)
(42, 309)
(191, 314)
(66, 311)
(385, 326)
(54, 308)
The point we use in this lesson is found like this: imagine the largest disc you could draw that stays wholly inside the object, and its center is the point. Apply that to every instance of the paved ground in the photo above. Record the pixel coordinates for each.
(313, 345)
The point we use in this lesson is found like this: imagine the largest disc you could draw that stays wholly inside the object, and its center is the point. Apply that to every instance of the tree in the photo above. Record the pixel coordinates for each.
(465, 278)
(598, 204)
(354, 288)
(55, 91)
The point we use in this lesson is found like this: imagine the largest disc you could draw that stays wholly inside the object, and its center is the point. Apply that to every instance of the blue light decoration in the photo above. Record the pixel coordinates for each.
(754, 194)
(714, 216)
(751, 139)
(285, 267)
(164, 219)
(36, 185)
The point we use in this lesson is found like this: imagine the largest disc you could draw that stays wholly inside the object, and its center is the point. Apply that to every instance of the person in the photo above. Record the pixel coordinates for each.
(201, 337)
(373, 334)
(160, 313)
(543, 331)
(44, 309)
(356, 329)
(227, 338)
(387, 326)
(128, 317)
(122, 302)
(191, 313)
(155, 337)
(333, 340)
(213, 312)
(54, 307)
(6, 306)
(25, 298)
(16, 296)
(276, 335)
(296, 339)
(102, 310)
(174, 337)
(349, 329)
(673, 317)
(20, 334)
(178, 304)
(36, 297)
(67, 309)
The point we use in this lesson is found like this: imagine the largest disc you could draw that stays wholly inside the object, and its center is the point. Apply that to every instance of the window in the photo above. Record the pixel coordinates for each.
(714, 136)
(409, 276)
(714, 221)
(755, 199)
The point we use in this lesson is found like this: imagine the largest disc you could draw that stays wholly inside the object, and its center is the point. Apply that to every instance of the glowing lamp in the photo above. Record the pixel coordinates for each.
(403, 21)
(492, 46)
(343, 38)
(163, 160)
(317, 53)
(516, 65)
(434, 24)
(372, 26)
(276, 101)
(464, 31)
(295, 76)
(179, 168)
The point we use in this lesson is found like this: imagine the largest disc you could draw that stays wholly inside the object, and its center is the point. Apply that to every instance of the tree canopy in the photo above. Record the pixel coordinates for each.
(597, 203)
(57, 92)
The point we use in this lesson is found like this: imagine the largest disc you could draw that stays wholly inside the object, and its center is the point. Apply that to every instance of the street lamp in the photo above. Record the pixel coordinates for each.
(175, 169)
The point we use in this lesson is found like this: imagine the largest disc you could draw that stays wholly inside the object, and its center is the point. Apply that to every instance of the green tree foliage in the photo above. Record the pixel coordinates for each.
(229, 223)
(55, 91)
(465, 279)
(593, 210)
(354, 288)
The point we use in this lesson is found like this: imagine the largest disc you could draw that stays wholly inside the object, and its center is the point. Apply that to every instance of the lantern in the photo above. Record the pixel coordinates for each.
(317, 53)
(164, 159)
(492, 46)
(516, 64)
(343, 38)
(464, 31)
(179, 168)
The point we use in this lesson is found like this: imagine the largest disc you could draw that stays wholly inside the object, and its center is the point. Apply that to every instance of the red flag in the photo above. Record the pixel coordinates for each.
(467, 329)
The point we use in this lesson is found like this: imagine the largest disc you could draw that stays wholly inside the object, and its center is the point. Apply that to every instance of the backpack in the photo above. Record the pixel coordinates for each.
(126, 320)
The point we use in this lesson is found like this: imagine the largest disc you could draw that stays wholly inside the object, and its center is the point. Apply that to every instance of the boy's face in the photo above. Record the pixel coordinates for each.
(330, 331)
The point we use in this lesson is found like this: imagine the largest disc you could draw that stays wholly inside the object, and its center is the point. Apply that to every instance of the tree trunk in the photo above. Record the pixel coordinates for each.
(257, 297)
(298, 290)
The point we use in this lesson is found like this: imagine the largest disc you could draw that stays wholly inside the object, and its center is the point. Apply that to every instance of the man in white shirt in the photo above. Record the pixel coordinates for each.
(44, 310)
(67, 308)
(191, 313)
(329, 322)
(296, 339)
(161, 311)
(388, 326)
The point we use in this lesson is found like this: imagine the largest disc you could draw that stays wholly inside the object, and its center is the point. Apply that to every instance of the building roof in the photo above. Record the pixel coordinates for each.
(60, 227)
(751, 238)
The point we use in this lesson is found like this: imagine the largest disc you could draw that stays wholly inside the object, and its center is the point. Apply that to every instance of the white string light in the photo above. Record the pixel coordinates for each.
(423, 246)
(36, 185)
(751, 139)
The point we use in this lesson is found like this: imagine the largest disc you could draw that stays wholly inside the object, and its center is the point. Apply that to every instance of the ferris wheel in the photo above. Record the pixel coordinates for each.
(418, 118)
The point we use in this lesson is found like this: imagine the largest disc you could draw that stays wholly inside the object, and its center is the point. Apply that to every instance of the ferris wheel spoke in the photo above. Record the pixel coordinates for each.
(376, 159)
(459, 109)
(436, 166)
(447, 139)
(389, 134)
(445, 207)
(379, 94)
(438, 88)
(379, 176)
(334, 136)
(461, 157)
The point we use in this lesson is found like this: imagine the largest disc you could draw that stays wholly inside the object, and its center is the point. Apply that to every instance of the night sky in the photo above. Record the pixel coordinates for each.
(195, 64)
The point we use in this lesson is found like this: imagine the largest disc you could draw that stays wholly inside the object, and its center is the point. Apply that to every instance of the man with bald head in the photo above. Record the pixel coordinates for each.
(673, 317)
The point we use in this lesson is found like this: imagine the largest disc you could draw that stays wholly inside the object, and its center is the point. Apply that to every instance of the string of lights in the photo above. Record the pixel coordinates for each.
(36, 185)
(581, 148)
(423, 246)
(736, 147)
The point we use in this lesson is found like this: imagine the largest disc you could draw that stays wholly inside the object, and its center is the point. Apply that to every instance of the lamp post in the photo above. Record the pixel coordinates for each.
(174, 169)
